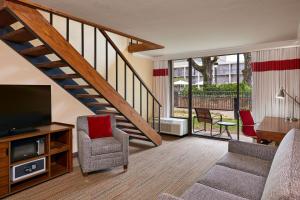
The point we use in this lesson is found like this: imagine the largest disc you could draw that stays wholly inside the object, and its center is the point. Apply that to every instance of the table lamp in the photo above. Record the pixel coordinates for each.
(281, 95)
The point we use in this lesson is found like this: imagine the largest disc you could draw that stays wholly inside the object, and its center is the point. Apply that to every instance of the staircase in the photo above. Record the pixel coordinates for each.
(37, 40)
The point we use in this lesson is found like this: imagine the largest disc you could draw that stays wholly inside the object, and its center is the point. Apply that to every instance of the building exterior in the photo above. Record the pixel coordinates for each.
(224, 72)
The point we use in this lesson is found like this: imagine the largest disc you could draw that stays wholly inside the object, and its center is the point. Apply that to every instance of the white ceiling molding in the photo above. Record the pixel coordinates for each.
(232, 50)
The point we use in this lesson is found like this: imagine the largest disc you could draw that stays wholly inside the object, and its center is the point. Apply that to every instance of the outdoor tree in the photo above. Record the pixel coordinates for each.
(247, 72)
(206, 69)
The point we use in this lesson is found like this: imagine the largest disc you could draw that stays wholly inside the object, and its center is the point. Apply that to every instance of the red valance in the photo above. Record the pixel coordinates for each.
(276, 65)
(160, 72)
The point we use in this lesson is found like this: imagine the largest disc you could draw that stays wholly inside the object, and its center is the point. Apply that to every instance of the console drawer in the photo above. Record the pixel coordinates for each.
(3, 150)
(3, 190)
(3, 171)
(4, 162)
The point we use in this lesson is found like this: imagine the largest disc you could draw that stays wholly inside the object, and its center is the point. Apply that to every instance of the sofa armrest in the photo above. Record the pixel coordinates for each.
(165, 196)
(84, 150)
(260, 151)
(123, 138)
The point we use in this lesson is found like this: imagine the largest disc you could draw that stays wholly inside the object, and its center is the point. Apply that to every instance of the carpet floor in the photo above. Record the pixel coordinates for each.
(171, 167)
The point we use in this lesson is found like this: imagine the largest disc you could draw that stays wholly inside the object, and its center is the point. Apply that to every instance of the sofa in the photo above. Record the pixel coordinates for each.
(101, 153)
(251, 171)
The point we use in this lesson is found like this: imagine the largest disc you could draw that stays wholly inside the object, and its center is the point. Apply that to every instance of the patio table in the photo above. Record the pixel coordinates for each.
(226, 125)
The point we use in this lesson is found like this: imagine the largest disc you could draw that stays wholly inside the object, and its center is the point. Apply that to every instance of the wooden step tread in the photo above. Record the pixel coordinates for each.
(36, 51)
(121, 119)
(53, 64)
(132, 131)
(6, 19)
(125, 125)
(108, 112)
(139, 137)
(64, 76)
(88, 96)
(75, 87)
(19, 36)
(98, 104)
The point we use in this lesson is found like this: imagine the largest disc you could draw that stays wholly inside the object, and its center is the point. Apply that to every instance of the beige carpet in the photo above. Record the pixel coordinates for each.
(171, 167)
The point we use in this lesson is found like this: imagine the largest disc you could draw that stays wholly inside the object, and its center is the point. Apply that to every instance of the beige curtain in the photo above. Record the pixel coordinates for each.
(161, 85)
(273, 69)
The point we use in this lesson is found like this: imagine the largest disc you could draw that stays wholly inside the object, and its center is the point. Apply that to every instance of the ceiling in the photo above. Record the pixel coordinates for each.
(192, 25)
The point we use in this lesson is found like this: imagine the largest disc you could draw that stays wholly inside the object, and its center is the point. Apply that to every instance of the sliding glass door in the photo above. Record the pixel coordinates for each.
(218, 91)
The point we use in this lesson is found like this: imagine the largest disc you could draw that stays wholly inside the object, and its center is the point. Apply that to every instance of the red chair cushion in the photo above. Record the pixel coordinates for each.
(248, 123)
(246, 117)
(99, 126)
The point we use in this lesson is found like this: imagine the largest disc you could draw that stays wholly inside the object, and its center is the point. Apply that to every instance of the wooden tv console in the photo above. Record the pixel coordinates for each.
(58, 154)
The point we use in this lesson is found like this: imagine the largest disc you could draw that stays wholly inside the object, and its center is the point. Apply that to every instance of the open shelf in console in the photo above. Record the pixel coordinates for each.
(59, 164)
(59, 142)
(22, 185)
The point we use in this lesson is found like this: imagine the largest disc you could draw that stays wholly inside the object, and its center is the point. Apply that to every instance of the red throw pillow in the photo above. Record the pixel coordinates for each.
(99, 126)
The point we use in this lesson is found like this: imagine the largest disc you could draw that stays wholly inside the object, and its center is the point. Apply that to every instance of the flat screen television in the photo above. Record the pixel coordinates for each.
(23, 108)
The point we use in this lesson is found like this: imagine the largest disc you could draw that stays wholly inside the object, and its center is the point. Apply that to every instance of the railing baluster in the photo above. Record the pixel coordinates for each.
(95, 48)
(117, 72)
(158, 119)
(82, 39)
(106, 60)
(133, 89)
(141, 100)
(147, 107)
(125, 81)
(51, 18)
(67, 29)
(153, 123)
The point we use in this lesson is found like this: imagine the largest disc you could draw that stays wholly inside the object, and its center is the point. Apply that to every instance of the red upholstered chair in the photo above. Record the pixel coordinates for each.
(247, 123)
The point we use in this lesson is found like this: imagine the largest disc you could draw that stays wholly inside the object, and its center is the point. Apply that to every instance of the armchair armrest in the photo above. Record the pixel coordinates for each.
(260, 151)
(165, 196)
(123, 138)
(84, 149)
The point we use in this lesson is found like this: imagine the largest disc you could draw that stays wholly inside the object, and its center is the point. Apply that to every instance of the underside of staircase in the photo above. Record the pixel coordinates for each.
(91, 89)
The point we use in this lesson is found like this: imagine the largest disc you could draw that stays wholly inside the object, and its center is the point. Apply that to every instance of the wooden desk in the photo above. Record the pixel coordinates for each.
(274, 128)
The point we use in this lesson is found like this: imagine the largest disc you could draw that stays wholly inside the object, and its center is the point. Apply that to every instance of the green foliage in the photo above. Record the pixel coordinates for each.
(217, 89)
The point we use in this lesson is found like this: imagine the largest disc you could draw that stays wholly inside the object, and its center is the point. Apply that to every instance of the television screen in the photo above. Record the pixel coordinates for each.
(24, 107)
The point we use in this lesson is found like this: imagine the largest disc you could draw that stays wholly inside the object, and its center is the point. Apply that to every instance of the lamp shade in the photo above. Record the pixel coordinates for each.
(280, 94)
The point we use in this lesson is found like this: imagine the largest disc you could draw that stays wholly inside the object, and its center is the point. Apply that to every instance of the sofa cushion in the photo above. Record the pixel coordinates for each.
(199, 191)
(246, 163)
(233, 181)
(105, 145)
(283, 181)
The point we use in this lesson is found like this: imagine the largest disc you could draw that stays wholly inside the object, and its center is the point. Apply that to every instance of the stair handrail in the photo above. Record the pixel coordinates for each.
(128, 64)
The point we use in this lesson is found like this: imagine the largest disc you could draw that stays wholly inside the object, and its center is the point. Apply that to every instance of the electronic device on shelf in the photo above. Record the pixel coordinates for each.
(23, 108)
(28, 169)
(27, 148)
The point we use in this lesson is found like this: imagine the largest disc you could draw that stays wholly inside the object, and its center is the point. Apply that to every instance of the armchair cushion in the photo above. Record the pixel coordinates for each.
(105, 145)
(99, 126)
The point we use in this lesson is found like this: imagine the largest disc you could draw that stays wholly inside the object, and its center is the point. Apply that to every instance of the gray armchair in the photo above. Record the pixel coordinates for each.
(101, 153)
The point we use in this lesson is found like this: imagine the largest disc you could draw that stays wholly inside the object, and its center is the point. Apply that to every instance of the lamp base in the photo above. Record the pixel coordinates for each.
(294, 119)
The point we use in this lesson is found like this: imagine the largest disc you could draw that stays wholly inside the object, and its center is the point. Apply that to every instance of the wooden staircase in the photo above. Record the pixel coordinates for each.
(96, 93)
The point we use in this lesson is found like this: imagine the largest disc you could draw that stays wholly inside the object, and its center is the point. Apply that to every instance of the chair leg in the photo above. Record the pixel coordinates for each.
(220, 129)
(125, 167)
(204, 126)
(211, 129)
(85, 173)
(193, 125)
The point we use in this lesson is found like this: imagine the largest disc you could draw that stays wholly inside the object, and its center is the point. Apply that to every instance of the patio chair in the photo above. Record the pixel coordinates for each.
(204, 115)
(248, 125)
